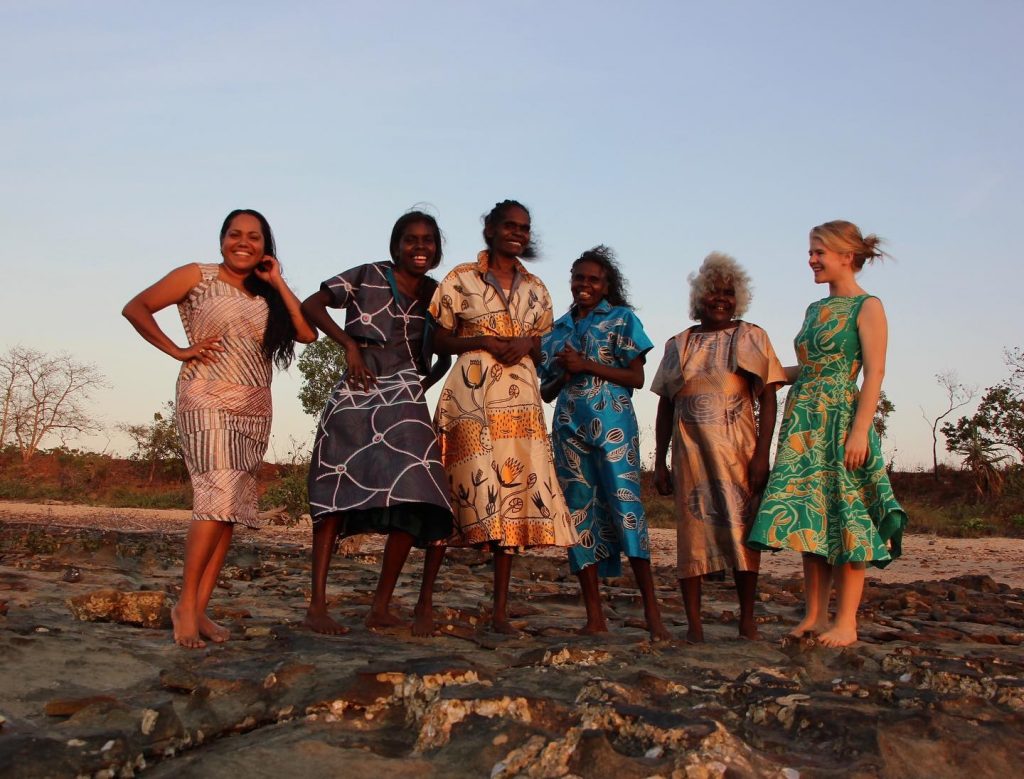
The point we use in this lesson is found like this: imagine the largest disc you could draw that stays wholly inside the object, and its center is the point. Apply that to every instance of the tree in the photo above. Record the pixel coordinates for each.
(322, 364)
(981, 457)
(882, 411)
(45, 395)
(957, 396)
(999, 420)
(158, 443)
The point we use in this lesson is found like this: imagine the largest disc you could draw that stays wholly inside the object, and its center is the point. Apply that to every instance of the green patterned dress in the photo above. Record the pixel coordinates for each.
(812, 503)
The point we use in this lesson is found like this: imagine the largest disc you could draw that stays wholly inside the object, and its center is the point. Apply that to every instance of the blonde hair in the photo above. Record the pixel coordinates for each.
(719, 267)
(842, 236)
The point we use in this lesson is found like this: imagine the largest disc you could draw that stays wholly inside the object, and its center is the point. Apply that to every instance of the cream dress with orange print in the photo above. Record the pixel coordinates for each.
(490, 421)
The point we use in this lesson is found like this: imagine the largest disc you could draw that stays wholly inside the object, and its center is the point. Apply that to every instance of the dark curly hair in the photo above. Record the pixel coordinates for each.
(279, 337)
(414, 217)
(497, 214)
(618, 287)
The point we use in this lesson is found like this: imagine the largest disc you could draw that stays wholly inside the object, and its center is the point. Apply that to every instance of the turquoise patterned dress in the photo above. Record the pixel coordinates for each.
(812, 503)
(596, 439)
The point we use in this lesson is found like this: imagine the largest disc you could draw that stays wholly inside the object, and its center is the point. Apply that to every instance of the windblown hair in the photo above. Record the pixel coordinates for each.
(414, 217)
(497, 214)
(618, 287)
(719, 268)
(842, 236)
(279, 337)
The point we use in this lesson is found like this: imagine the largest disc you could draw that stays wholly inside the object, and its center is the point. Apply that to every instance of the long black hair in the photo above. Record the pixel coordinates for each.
(279, 337)
(497, 214)
(618, 287)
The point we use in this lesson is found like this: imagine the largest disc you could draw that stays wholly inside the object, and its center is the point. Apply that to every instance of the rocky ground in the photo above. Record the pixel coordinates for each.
(92, 686)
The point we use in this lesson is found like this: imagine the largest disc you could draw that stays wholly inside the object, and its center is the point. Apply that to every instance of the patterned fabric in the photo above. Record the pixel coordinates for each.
(812, 503)
(490, 420)
(712, 379)
(596, 438)
(224, 409)
(375, 456)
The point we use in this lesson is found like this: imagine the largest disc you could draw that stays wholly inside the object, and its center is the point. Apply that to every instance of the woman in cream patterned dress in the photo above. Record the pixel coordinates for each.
(494, 442)
(239, 318)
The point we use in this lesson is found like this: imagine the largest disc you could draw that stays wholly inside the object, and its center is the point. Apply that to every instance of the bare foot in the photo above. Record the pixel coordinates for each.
(808, 625)
(423, 622)
(503, 626)
(383, 619)
(695, 635)
(592, 628)
(658, 630)
(749, 631)
(318, 621)
(839, 635)
(218, 634)
(186, 630)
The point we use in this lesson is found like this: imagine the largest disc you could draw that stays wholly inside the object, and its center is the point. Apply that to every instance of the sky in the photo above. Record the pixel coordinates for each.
(663, 129)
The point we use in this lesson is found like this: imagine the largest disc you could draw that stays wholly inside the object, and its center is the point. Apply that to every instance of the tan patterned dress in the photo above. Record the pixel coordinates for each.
(224, 409)
(490, 421)
(712, 379)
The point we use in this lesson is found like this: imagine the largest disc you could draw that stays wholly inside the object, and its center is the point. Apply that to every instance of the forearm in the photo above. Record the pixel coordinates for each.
(871, 390)
(632, 377)
(145, 324)
(663, 430)
(791, 371)
(314, 310)
(769, 407)
(446, 342)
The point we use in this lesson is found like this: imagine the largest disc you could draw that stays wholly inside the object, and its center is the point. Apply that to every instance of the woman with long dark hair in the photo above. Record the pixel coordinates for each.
(240, 318)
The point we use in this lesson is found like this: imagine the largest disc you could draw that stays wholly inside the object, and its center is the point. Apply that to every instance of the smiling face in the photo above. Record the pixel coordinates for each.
(510, 235)
(828, 265)
(417, 249)
(243, 245)
(718, 305)
(588, 284)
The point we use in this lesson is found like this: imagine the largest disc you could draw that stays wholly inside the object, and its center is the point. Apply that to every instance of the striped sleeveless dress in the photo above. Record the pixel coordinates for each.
(224, 409)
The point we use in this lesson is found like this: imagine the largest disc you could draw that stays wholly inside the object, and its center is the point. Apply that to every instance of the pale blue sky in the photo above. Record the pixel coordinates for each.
(664, 129)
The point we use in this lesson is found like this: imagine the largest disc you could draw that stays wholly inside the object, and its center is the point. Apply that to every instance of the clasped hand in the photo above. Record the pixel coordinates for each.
(508, 350)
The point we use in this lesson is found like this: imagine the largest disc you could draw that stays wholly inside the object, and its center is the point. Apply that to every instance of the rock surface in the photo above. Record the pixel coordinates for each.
(935, 688)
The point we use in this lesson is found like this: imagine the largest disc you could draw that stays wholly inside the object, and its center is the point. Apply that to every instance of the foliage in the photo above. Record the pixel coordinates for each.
(289, 492)
(45, 395)
(322, 364)
(957, 396)
(158, 444)
(882, 411)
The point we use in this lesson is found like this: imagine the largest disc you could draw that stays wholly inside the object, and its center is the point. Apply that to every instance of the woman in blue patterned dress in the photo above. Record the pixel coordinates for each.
(593, 359)
(376, 466)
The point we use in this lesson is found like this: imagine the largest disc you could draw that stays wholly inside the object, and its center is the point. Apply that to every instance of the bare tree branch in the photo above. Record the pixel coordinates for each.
(957, 395)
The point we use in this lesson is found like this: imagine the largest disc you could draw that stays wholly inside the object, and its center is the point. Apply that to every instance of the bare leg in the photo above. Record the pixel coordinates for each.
(200, 545)
(746, 590)
(817, 589)
(423, 625)
(849, 588)
(502, 576)
(691, 589)
(645, 581)
(396, 552)
(207, 627)
(592, 601)
(317, 619)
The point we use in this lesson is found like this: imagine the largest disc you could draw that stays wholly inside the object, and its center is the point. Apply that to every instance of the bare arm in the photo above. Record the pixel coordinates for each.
(757, 472)
(791, 371)
(873, 331)
(315, 310)
(630, 376)
(507, 351)
(303, 332)
(662, 439)
(170, 290)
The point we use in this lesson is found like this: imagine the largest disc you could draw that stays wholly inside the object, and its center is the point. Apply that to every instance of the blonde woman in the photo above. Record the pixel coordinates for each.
(828, 496)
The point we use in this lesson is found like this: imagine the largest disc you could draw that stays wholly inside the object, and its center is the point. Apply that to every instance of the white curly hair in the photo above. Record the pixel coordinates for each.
(719, 267)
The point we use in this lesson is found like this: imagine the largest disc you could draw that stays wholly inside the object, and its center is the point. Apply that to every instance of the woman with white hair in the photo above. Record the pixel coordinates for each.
(709, 379)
